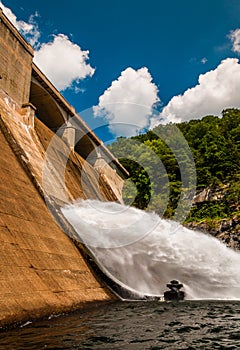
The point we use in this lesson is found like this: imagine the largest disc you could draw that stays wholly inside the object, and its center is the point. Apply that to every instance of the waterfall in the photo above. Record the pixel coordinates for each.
(145, 252)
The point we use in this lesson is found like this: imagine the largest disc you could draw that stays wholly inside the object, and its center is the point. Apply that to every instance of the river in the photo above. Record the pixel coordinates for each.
(134, 326)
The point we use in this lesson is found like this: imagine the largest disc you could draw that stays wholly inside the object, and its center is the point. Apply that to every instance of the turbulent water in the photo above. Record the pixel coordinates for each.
(135, 326)
(144, 252)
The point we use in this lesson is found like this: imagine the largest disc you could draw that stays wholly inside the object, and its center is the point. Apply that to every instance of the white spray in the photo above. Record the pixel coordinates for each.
(145, 252)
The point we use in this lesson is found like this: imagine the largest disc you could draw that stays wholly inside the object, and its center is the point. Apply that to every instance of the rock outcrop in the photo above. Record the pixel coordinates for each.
(226, 229)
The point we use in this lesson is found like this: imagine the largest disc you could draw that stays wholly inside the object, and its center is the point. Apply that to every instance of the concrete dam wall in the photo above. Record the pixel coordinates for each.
(42, 271)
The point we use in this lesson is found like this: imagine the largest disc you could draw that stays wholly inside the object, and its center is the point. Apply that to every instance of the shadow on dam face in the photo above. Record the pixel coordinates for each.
(56, 118)
(47, 109)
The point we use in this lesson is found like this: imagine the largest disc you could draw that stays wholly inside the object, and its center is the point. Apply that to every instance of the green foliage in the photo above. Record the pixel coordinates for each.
(155, 164)
(212, 210)
(215, 145)
(140, 178)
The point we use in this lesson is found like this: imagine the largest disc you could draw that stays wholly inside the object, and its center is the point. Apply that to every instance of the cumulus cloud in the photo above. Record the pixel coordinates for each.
(28, 29)
(63, 62)
(216, 90)
(127, 104)
(235, 39)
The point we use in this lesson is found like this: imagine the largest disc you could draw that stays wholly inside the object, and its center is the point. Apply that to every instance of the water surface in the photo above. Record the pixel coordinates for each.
(133, 326)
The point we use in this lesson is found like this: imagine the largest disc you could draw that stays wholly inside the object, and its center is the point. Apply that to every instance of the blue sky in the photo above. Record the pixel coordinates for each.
(179, 57)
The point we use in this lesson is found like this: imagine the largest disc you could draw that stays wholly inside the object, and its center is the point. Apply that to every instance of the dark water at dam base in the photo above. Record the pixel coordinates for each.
(134, 325)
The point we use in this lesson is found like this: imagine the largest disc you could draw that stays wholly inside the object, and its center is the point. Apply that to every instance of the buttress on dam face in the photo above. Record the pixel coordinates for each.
(42, 271)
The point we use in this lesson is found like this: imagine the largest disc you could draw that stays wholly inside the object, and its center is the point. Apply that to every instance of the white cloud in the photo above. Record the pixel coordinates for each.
(216, 90)
(235, 39)
(29, 30)
(204, 60)
(63, 62)
(127, 103)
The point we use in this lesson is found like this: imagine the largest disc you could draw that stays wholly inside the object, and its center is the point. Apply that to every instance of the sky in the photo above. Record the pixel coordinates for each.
(128, 65)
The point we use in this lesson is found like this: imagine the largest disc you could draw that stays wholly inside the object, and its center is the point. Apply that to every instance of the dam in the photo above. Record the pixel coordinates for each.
(42, 270)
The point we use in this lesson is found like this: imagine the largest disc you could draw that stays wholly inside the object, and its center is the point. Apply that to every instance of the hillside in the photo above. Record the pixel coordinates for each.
(215, 146)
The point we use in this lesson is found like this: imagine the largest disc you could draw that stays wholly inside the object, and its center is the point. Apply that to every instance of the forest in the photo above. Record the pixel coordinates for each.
(173, 160)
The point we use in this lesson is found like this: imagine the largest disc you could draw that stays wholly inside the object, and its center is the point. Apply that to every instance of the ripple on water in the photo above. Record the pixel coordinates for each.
(133, 326)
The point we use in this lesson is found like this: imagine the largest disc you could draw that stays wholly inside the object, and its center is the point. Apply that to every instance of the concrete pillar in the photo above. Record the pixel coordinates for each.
(99, 162)
(68, 134)
(28, 112)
